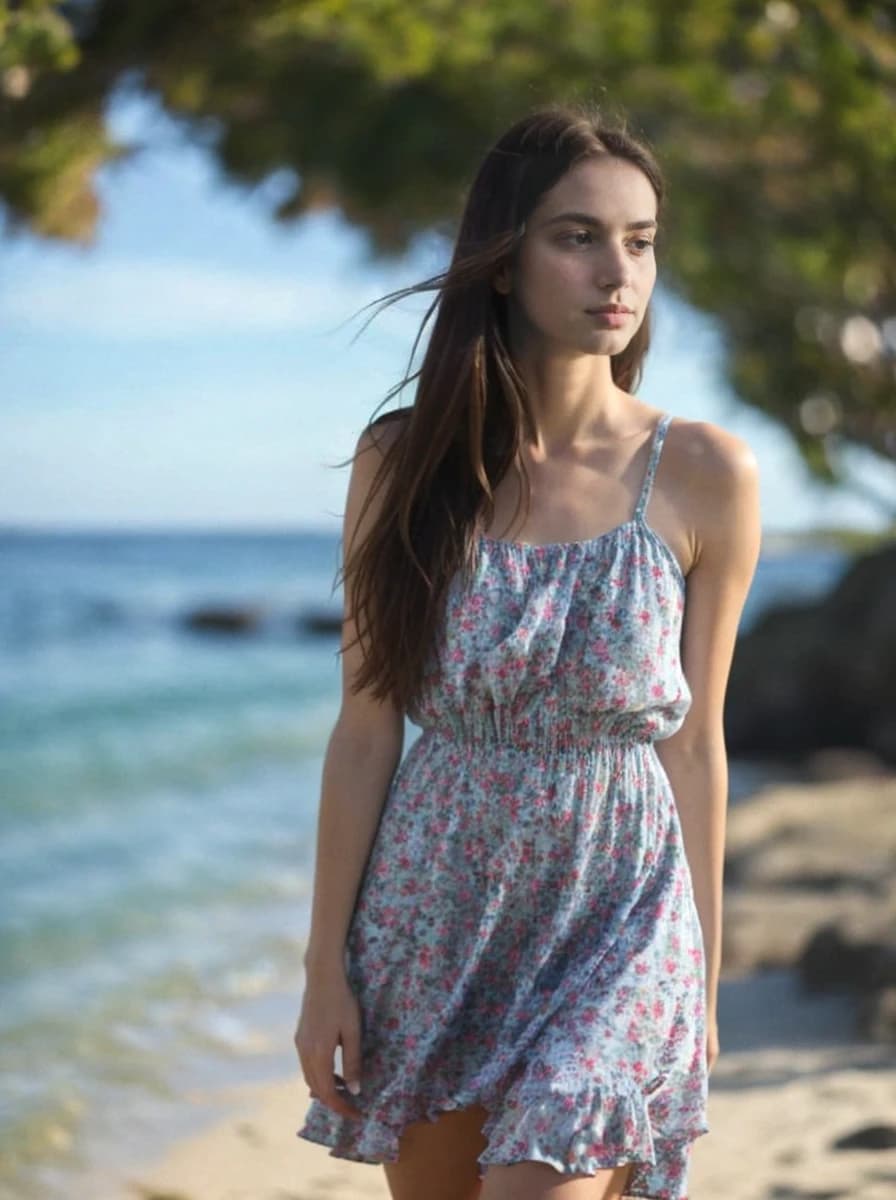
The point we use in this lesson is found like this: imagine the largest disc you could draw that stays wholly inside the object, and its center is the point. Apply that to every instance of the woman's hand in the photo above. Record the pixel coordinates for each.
(330, 1015)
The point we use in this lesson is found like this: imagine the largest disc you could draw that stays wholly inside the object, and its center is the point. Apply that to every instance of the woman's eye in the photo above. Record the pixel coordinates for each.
(644, 243)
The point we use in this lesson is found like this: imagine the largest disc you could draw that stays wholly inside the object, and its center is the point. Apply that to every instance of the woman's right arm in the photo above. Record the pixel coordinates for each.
(362, 754)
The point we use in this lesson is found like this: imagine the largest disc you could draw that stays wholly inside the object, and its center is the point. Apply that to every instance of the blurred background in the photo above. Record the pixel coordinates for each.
(196, 199)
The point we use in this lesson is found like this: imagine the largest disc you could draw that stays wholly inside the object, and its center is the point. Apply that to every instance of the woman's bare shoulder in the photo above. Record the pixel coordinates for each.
(384, 431)
(711, 487)
(712, 462)
(715, 477)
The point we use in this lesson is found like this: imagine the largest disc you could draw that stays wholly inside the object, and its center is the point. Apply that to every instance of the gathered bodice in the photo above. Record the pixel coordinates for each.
(565, 644)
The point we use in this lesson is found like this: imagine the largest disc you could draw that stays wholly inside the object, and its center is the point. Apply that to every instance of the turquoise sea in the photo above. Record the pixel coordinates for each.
(158, 802)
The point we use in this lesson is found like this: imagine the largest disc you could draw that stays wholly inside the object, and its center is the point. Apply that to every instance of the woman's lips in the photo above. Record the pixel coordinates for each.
(611, 319)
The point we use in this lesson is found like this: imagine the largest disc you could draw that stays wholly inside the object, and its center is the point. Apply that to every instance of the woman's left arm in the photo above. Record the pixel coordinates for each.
(726, 534)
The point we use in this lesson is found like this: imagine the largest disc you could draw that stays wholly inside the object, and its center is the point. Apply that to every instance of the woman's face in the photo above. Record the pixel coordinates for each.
(588, 243)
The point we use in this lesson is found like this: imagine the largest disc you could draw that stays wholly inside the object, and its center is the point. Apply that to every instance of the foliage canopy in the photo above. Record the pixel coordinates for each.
(775, 123)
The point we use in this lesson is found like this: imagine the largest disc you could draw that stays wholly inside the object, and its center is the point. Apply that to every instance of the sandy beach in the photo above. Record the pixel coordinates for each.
(795, 1075)
(792, 1078)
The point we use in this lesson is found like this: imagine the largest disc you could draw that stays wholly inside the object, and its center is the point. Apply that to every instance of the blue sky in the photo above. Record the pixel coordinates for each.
(188, 369)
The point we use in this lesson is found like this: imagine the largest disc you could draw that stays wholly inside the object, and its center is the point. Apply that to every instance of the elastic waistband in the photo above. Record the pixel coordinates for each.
(544, 741)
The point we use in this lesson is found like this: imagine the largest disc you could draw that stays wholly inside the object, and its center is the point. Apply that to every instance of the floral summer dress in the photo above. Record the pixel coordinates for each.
(525, 935)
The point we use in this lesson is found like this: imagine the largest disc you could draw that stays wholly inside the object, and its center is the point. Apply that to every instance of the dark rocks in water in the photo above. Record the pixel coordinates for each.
(223, 620)
(321, 621)
(868, 1137)
(815, 675)
(830, 961)
(235, 619)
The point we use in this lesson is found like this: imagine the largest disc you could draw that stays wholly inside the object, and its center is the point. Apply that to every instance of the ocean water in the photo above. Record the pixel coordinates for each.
(158, 804)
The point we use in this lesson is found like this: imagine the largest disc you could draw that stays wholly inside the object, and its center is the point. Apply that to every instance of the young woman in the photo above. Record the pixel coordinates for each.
(515, 932)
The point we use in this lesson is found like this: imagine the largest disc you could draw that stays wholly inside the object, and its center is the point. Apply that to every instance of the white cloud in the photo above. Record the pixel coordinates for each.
(147, 299)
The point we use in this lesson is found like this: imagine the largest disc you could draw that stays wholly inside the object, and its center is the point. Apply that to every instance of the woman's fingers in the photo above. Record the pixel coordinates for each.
(336, 1097)
(331, 1019)
(351, 1057)
(325, 1085)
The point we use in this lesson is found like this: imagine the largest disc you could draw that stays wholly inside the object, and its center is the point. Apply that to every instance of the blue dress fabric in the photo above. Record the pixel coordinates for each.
(525, 935)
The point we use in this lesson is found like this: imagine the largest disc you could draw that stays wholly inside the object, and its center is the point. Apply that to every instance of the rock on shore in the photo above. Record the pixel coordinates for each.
(810, 882)
(820, 674)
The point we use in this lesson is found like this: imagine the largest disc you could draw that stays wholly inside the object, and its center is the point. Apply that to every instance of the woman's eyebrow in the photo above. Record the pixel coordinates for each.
(586, 219)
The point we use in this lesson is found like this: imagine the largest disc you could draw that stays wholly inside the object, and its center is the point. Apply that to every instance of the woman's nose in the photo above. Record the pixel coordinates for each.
(614, 268)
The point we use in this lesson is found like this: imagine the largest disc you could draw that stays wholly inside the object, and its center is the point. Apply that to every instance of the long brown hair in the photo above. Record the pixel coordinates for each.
(470, 413)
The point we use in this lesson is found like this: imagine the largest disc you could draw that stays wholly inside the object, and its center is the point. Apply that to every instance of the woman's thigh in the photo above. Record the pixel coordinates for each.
(539, 1181)
(437, 1159)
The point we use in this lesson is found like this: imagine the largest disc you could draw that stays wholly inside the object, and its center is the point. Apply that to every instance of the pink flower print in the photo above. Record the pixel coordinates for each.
(644, 616)
(601, 649)
(515, 805)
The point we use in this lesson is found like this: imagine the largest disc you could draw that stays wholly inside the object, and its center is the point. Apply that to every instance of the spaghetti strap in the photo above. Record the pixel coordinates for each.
(659, 437)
